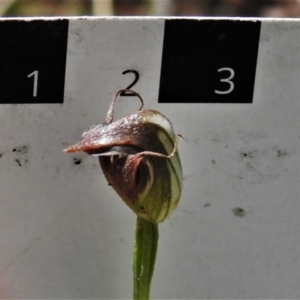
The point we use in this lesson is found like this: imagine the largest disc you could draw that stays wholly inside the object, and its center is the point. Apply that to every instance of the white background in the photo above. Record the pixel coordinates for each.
(65, 233)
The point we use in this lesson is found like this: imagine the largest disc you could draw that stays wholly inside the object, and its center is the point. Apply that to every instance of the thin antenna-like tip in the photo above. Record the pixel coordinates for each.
(110, 112)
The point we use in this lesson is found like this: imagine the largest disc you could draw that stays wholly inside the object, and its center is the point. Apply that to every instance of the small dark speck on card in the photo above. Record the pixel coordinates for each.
(20, 149)
(239, 212)
(77, 161)
(18, 162)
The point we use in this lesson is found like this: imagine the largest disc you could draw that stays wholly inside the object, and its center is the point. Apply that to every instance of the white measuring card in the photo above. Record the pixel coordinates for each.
(229, 86)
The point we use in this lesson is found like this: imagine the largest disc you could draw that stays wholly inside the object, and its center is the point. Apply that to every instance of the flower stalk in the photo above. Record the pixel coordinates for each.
(144, 255)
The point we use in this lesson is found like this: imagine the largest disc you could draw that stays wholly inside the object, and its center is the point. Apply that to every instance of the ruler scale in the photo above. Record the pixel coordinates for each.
(208, 61)
(230, 87)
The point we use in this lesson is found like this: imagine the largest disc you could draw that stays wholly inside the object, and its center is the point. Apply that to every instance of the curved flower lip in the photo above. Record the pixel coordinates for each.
(98, 138)
(95, 148)
(136, 130)
(119, 151)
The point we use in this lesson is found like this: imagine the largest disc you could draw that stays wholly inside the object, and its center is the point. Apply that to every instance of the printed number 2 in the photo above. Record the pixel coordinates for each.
(228, 80)
(136, 78)
(35, 75)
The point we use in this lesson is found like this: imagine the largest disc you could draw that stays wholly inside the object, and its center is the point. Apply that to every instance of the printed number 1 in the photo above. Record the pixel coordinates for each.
(228, 80)
(35, 74)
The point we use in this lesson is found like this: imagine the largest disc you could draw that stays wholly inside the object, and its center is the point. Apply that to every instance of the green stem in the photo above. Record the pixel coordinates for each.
(144, 253)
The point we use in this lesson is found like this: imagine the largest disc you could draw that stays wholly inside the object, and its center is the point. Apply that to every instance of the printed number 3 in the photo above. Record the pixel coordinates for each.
(228, 80)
